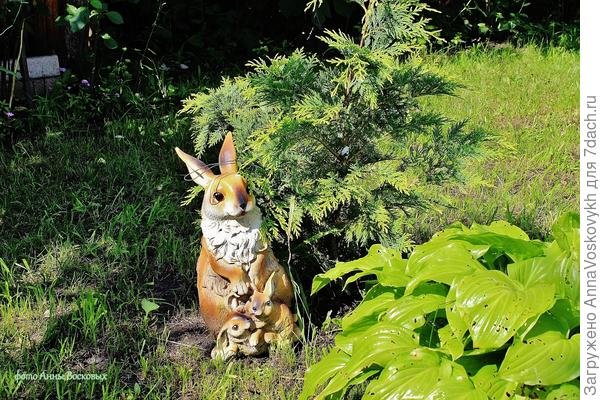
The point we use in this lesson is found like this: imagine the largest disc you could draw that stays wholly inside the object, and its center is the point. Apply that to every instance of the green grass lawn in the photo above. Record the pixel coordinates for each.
(91, 225)
(529, 100)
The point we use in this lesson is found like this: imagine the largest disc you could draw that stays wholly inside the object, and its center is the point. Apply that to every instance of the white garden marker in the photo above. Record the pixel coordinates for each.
(43, 72)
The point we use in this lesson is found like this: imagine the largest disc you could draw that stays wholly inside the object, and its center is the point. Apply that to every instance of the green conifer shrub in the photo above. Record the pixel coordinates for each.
(339, 146)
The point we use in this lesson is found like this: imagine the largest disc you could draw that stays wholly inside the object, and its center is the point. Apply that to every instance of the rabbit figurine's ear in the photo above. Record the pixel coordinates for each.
(227, 156)
(222, 342)
(199, 172)
(270, 286)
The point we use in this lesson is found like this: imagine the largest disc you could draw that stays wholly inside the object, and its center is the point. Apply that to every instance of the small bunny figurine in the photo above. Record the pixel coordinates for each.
(274, 320)
(238, 334)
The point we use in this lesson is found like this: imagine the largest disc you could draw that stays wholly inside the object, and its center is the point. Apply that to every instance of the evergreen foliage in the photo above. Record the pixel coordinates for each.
(340, 146)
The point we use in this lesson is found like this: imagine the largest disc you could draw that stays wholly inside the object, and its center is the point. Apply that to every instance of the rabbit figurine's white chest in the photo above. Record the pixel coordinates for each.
(236, 241)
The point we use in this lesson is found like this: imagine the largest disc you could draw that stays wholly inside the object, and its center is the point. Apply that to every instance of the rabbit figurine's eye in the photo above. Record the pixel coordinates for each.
(235, 327)
(218, 196)
(268, 303)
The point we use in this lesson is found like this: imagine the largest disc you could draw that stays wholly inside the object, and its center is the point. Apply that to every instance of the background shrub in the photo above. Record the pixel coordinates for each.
(340, 148)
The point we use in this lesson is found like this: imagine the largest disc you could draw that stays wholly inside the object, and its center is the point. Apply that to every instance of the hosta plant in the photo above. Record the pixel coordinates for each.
(475, 313)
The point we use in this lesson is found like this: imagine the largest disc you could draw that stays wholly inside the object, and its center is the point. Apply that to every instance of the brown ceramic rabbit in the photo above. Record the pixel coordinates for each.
(233, 255)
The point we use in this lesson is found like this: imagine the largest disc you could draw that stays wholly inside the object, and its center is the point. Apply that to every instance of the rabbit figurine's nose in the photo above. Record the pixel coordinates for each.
(243, 206)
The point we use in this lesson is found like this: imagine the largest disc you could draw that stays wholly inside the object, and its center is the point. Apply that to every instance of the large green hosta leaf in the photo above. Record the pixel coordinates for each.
(560, 318)
(487, 380)
(392, 274)
(376, 302)
(423, 374)
(500, 237)
(541, 270)
(451, 336)
(493, 307)
(557, 267)
(379, 260)
(547, 359)
(564, 311)
(440, 262)
(501, 228)
(409, 311)
(516, 249)
(377, 347)
(497, 227)
(566, 234)
(560, 264)
(451, 341)
(321, 372)
(567, 267)
(568, 391)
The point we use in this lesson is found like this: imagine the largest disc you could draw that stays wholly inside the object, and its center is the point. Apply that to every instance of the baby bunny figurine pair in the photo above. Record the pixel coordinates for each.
(256, 324)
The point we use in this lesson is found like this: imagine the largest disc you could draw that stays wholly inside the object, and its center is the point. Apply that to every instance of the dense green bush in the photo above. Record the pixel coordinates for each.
(475, 313)
(340, 146)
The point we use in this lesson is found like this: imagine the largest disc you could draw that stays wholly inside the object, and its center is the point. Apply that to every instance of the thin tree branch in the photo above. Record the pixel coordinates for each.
(14, 78)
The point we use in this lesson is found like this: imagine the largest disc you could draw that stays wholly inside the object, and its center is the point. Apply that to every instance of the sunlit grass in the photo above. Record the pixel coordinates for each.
(529, 100)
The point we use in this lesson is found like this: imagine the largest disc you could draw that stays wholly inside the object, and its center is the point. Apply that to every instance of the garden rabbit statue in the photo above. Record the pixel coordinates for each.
(234, 259)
